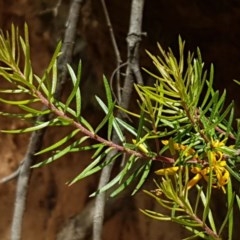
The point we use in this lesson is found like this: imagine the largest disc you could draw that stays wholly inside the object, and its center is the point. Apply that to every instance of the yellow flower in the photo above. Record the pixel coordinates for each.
(217, 165)
(199, 174)
(217, 143)
(180, 148)
(141, 146)
(167, 171)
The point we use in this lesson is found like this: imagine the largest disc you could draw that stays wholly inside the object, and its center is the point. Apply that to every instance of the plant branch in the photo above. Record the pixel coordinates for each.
(34, 146)
(207, 229)
(115, 47)
(85, 131)
(36, 137)
(133, 39)
(80, 226)
(53, 10)
(11, 176)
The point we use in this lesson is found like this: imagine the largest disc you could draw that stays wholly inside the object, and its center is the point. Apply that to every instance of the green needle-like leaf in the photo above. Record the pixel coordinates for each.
(59, 143)
(127, 126)
(209, 88)
(18, 102)
(61, 152)
(114, 122)
(75, 93)
(95, 166)
(229, 214)
(107, 118)
(34, 128)
(127, 182)
(142, 180)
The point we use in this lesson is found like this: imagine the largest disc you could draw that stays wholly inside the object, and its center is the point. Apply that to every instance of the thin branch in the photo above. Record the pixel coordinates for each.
(117, 71)
(37, 137)
(53, 10)
(80, 226)
(12, 175)
(87, 132)
(23, 180)
(134, 37)
(201, 223)
(68, 44)
(115, 47)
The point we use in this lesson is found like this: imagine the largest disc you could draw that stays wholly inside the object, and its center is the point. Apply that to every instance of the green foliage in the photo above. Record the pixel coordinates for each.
(182, 122)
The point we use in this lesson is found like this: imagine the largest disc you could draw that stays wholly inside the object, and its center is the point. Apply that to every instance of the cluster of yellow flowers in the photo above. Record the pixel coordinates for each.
(216, 166)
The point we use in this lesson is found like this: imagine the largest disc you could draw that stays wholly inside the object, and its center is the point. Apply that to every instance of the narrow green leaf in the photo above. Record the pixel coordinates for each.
(7, 76)
(130, 162)
(61, 152)
(209, 87)
(34, 128)
(141, 124)
(59, 143)
(78, 94)
(18, 79)
(93, 167)
(238, 201)
(199, 189)
(196, 232)
(26, 49)
(127, 182)
(75, 91)
(86, 124)
(54, 56)
(108, 91)
(229, 123)
(114, 122)
(14, 91)
(18, 102)
(186, 222)
(235, 174)
(42, 86)
(54, 78)
(127, 126)
(85, 148)
(155, 215)
(22, 116)
(106, 118)
(14, 44)
(128, 112)
(142, 180)
(98, 151)
(36, 112)
(207, 213)
(103, 164)
(217, 107)
(61, 106)
(113, 182)
(229, 215)
(118, 131)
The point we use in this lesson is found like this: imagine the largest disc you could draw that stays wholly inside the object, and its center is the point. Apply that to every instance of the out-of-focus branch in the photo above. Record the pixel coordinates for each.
(133, 40)
(68, 44)
(34, 146)
(37, 137)
(53, 10)
(80, 226)
(12, 175)
(115, 47)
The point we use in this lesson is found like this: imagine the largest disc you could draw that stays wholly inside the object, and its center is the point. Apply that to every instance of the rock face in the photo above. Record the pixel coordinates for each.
(212, 25)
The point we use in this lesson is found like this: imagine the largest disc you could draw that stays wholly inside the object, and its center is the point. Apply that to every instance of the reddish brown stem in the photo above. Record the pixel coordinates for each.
(85, 131)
